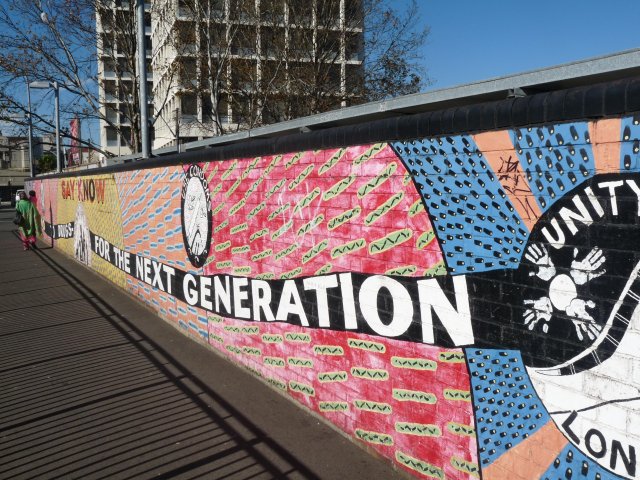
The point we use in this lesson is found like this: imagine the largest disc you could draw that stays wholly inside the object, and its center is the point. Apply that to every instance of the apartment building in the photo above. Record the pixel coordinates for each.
(224, 65)
(116, 33)
(14, 151)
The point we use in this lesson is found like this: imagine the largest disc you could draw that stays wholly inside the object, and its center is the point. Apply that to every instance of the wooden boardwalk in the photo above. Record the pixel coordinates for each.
(93, 386)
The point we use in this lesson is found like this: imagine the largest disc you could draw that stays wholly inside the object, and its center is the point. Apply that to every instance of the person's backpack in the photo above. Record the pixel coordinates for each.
(18, 219)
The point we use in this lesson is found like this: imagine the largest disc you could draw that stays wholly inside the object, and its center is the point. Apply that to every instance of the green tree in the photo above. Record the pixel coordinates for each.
(46, 163)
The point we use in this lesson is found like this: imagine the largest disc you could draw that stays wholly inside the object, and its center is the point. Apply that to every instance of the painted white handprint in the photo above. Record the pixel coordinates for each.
(589, 267)
(540, 310)
(582, 320)
(538, 255)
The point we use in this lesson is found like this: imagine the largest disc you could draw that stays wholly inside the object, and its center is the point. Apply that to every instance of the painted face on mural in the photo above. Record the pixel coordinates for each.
(196, 215)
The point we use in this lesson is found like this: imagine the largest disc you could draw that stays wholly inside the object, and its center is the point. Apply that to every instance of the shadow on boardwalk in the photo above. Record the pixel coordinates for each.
(94, 386)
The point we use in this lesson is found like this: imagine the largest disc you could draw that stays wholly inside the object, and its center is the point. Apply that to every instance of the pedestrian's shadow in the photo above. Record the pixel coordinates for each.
(39, 246)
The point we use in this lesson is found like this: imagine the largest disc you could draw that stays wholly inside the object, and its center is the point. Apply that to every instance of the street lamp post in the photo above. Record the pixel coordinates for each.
(56, 89)
(142, 74)
(31, 169)
(58, 151)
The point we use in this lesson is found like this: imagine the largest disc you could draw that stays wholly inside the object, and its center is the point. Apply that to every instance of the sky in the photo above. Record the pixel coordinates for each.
(473, 40)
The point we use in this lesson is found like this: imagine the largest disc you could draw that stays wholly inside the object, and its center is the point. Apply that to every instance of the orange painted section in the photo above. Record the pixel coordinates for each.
(605, 141)
(498, 150)
(530, 458)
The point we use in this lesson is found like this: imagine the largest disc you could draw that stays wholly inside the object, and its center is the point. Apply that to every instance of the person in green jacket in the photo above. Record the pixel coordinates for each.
(30, 225)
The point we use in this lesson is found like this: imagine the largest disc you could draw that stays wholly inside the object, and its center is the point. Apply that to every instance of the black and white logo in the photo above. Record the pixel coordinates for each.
(196, 215)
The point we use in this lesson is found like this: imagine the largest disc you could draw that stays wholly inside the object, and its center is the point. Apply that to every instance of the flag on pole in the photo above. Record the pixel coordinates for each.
(75, 157)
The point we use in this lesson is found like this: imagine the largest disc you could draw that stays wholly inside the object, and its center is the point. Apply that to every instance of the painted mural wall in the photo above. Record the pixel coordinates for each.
(466, 305)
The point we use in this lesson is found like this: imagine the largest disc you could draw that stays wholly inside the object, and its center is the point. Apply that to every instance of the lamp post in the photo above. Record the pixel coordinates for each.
(31, 169)
(56, 89)
(142, 75)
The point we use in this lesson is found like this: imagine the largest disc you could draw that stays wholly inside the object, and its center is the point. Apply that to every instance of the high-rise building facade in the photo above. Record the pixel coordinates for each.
(116, 34)
(224, 65)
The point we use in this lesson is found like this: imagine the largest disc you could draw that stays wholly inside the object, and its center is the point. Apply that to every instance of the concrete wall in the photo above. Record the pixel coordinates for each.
(463, 304)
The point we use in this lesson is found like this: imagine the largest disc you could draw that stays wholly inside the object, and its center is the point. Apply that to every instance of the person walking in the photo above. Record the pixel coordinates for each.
(33, 199)
(30, 225)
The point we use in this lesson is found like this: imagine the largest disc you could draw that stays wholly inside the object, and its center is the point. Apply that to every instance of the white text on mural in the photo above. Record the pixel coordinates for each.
(587, 206)
(336, 302)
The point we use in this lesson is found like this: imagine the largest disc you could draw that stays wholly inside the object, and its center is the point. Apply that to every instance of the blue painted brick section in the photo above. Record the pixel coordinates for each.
(507, 407)
(630, 146)
(574, 465)
(555, 159)
(476, 223)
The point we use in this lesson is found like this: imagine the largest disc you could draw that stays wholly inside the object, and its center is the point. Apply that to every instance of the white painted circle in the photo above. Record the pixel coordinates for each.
(562, 291)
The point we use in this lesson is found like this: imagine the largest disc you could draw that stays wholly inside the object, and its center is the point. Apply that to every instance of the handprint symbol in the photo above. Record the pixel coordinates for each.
(538, 255)
(563, 293)
(587, 269)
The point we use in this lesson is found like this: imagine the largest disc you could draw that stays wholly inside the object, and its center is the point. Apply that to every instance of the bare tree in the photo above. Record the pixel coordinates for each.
(395, 37)
(57, 41)
(260, 62)
(211, 44)
(120, 80)
(235, 64)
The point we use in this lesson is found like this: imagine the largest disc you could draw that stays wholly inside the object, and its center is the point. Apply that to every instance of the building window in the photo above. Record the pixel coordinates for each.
(112, 137)
(126, 135)
(189, 105)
